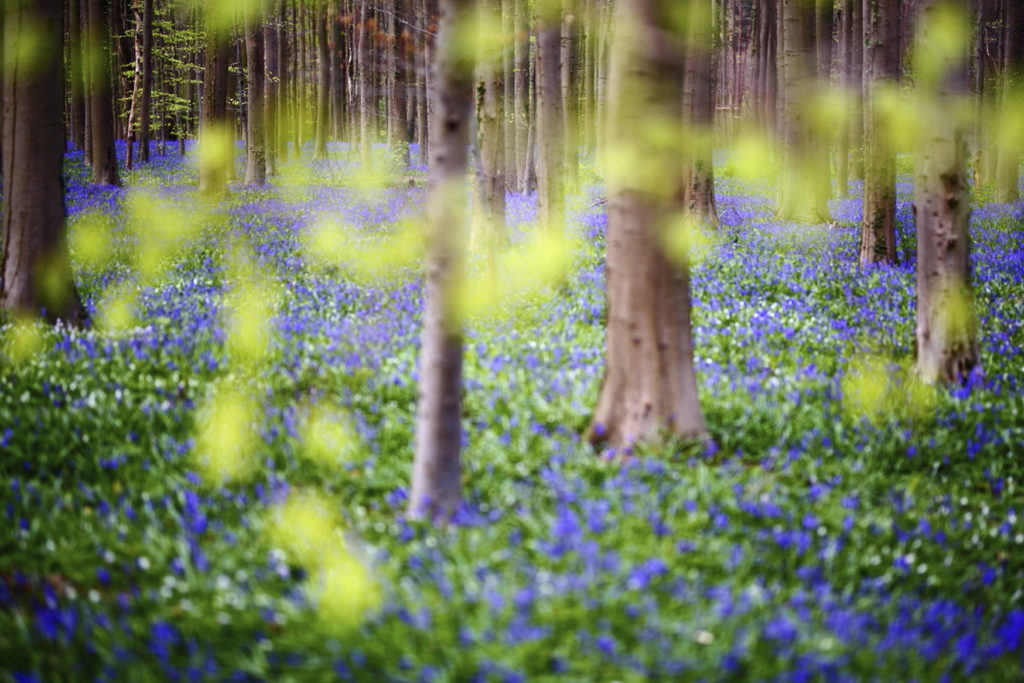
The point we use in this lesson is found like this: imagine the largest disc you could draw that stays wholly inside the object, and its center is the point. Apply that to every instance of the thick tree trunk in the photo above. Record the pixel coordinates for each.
(256, 133)
(147, 78)
(550, 132)
(338, 89)
(649, 383)
(946, 327)
(698, 114)
(104, 162)
(882, 69)
(801, 193)
(35, 265)
(435, 490)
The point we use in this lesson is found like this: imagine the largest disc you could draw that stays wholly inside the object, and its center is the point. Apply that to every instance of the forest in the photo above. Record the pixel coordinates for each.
(512, 340)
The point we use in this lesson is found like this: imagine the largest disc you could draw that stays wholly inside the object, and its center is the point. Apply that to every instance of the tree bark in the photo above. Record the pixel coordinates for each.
(435, 490)
(271, 87)
(570, 93)
(489, 130)
(256, 133)
(104, 162)
(801, 195)
(147, 79)
(649, 383)
(881, 69)
(521, 95)
(698, 113)
(946, 327)
(216, 145)
(1012, 95)
(323, 101)
(35, 264)
(550, 132)
(77, 75)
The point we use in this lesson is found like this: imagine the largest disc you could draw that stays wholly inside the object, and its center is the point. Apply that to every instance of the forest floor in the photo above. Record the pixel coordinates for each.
(845, 523)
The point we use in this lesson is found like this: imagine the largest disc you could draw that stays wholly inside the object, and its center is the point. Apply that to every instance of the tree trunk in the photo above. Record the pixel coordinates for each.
(36, 265)
(521, 96)
(147, 78)
(489, 131)
(1012, 95)
(256, 134)
(550, 133)
(104, 162)
(217, 144)
(946, 327)
(882, 69)
(77, 76)
(801, 195)
(698, 113)
(649, 383)
(823, 15)
(323, 100)
(363, 75)
(570, 93)
(271, 88)
(435, 490)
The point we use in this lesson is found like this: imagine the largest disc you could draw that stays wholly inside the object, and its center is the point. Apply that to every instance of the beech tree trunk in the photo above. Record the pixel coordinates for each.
(256, 133)
(435, 490)
(363, 74)
(217, 149)
(77, 75)
(271, 87)
(802, 195)
(881, 69)
(104, 162)
(35, 264)
(946, 327)
(521, 84)
(550, 142)
(490, 142)
(570, 93)
(147, 79)
(1012, 95)
(698, 113)
(649, 383)
(323, 100)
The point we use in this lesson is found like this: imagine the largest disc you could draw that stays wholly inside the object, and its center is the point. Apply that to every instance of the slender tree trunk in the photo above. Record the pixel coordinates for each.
(435, 490)
(1012, 98)
(856, 148)
(35, 264)
(882, 69)
(104, 162)
(491, 189)
(363, 75)
(570, 93)
(698, 112)
(256, 134)
(147, 78)
(843, 136)
(133, 106)
(338, 90)
(650, 382)
(323, 102)
(271, 87)
(422, 66)
(550, 132)
(77, 75)
(521, 95)
(801, 196)
(216, 145)
(946, 327)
